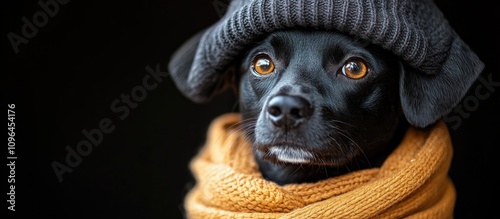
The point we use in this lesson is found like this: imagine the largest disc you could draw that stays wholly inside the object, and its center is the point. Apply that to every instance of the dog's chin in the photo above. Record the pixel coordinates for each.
(286, 154)
(298, 155)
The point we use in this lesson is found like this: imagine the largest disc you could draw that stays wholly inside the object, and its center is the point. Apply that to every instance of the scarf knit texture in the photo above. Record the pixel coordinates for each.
(412, 182)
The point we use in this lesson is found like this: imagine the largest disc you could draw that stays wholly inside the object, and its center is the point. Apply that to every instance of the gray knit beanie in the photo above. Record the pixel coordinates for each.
(415, 30)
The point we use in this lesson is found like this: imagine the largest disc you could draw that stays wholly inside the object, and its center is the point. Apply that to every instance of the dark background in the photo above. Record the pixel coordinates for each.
(65, 79)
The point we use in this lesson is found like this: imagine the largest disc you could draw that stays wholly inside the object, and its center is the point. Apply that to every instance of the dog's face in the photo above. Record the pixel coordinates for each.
(317, 99)
(318, 103)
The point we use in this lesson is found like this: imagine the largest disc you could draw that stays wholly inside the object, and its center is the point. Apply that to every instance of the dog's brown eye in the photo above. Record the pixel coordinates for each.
(263, 65)
(355, 69)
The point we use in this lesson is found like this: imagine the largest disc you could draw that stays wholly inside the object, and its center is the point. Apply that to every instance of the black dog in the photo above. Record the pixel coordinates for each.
(316, 104)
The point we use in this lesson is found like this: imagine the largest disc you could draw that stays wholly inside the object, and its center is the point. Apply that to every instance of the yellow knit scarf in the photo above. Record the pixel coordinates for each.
(412, 182)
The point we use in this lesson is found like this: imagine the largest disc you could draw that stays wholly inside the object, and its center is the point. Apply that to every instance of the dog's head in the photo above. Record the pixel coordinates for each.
(316, 98)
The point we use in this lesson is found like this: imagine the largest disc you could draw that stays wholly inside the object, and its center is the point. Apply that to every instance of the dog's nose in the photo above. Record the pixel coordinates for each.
(286, 111)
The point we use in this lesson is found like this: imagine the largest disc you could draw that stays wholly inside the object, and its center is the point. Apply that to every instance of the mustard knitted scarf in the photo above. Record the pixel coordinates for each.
(412, 182)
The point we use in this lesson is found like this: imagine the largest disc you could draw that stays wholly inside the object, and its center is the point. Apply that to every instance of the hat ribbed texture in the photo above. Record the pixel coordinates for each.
(415, 30)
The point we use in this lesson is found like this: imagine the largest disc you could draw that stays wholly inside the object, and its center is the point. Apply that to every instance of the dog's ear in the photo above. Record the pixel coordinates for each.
(199, 89)
(425, 98)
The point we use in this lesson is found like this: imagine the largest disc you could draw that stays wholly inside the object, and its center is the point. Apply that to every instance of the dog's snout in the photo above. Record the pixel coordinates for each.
(288, 111)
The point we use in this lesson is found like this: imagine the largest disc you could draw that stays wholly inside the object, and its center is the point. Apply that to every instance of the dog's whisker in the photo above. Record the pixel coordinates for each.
(246, 128)
(346, 135)
(340, 121)
(299, 167)
(240, 123)
(357, 145)
(235, 129)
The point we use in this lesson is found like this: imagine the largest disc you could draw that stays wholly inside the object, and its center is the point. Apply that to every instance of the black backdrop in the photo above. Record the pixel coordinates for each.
(73, 75)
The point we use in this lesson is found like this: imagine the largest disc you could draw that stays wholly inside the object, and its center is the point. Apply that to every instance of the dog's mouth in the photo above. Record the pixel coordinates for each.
(286, 154)
(297, 154)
